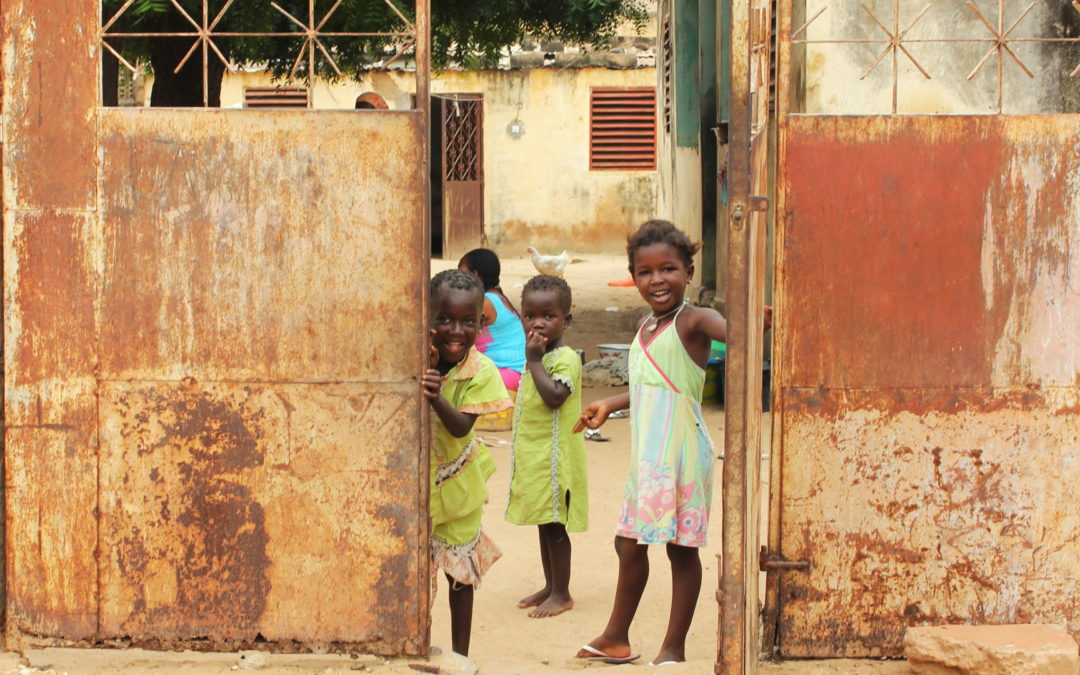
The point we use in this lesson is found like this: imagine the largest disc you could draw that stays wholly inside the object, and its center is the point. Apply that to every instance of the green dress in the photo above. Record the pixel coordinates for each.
(460, 468)
(548, 480)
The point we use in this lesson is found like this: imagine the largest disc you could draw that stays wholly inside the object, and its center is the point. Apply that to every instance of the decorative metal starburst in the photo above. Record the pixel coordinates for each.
(311, 32)
(1000, 44)
(203, 35)
(895, 45)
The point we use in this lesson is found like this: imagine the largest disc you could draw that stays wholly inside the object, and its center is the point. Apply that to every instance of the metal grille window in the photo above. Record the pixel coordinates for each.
(622, 129)
(461, 133)
(275, 97)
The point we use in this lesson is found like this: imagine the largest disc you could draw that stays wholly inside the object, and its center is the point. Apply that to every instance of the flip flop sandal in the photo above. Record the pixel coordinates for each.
(603, 657)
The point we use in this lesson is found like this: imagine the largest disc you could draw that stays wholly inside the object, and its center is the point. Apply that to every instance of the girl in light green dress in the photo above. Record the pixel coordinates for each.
(461, 385)
(548, 485)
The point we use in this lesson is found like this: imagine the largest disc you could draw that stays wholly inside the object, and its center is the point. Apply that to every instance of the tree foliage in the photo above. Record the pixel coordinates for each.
(464, 32)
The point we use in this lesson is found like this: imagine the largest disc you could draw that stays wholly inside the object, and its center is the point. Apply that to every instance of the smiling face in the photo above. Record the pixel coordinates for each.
(661, 276)
(542, 313)
(456, 317)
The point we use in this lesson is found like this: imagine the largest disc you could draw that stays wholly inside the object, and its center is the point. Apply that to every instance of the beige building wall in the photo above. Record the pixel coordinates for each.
(538, 187)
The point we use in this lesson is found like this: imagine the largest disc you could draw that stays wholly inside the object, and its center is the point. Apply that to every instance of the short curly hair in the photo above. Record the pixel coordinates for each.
(457, 280)
(661, 232)
(546, 282)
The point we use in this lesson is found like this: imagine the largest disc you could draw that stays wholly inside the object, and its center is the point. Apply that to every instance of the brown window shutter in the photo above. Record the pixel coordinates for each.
(275, 97)
(622, 129)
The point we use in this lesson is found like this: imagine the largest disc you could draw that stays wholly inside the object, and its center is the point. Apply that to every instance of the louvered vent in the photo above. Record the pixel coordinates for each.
(622, 129)
(275, 97)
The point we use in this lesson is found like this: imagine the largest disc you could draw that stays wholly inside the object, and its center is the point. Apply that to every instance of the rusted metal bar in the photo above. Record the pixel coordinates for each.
(737, 652)
(769, 561)
(770, 616)
(422, 37)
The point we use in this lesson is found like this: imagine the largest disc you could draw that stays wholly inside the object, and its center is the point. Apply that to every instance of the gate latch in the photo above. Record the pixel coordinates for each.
(774, 562)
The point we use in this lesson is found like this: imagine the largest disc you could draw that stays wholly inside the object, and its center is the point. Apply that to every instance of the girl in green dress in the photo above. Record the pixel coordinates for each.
(461, 385)
(548, 485)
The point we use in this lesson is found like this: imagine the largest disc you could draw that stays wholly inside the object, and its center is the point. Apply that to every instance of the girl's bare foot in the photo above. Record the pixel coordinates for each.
(552, 606)
(534, 599)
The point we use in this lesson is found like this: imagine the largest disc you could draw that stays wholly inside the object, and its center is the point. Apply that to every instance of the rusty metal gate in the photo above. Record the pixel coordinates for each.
(213, 432)
(928, 407)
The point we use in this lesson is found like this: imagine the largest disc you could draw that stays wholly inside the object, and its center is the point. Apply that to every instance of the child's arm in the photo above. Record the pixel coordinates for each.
(552, 393)
(596, 413)
(710, 322)
(456, 422)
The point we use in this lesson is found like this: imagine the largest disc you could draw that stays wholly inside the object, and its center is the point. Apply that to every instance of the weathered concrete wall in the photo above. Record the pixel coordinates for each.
(834, 71)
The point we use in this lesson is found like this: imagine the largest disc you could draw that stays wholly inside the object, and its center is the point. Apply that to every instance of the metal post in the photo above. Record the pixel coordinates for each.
(422, 35)
(737, 651)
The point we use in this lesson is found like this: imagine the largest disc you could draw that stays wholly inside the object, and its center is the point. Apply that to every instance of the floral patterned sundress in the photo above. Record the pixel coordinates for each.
(669, 490)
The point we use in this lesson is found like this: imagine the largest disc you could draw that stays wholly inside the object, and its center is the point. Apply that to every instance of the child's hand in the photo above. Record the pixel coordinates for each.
(432, 383)
(433, 354)
(768, 317)
(592, 416)
(535, 346)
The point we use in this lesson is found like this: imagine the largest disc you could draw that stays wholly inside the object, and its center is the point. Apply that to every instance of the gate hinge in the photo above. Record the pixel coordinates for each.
(774, 562)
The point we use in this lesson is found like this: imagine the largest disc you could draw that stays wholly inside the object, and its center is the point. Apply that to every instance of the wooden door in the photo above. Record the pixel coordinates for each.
(463, 173)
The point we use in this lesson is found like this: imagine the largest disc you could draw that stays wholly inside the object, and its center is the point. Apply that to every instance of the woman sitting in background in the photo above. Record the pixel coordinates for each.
(503, 338)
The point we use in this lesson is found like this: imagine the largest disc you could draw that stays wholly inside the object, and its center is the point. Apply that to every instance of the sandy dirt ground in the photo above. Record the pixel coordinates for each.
(505, 639)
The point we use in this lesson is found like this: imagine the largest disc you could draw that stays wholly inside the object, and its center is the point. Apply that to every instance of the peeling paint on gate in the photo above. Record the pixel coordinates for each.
(930, 395)
(213, 322)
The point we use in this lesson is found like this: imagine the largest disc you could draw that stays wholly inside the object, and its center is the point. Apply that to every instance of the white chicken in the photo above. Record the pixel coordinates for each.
(549, 264)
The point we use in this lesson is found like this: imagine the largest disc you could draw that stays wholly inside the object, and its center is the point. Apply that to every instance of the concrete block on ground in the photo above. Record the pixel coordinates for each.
(992, 650)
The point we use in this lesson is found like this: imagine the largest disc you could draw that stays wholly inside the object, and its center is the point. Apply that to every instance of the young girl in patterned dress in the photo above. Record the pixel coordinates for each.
(669, 490)
(548, 485)
(461, 384)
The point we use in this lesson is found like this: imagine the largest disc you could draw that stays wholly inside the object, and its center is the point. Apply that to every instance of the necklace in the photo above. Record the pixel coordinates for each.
(656, 319)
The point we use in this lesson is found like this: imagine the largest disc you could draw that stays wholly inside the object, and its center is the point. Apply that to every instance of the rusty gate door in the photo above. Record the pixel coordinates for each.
(213, 431)
(463, 173)
(928, 309)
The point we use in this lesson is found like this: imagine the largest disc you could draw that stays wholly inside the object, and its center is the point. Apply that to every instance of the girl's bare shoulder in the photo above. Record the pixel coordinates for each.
(696, 313)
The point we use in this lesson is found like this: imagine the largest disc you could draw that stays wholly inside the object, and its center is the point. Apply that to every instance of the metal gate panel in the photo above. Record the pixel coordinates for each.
(212, 422)
(930, 402)
(231, 510)
(287, 428)
(303, 240)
